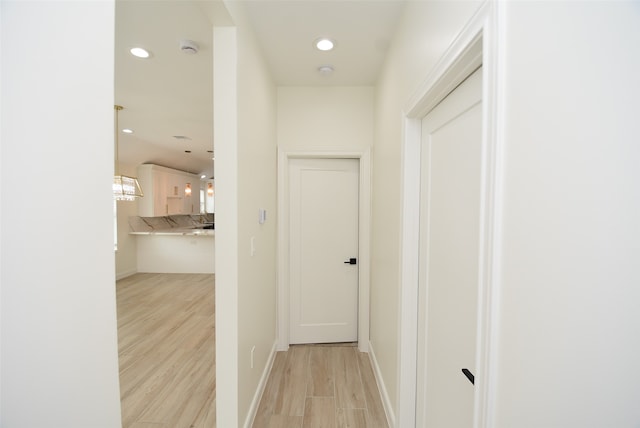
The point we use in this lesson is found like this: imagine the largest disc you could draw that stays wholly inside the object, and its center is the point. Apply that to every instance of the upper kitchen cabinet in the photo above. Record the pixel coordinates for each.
(167, 191)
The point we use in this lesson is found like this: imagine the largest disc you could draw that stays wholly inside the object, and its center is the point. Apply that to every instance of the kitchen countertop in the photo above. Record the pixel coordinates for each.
(177, 231)
(175, 225)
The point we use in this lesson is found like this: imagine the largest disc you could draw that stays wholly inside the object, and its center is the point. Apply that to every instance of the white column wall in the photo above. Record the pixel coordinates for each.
(569, 320)
(59, 354)
(256, 190)
(225, 136)
(245, 146)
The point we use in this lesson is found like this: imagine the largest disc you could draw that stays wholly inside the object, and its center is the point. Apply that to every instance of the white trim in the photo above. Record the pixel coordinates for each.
(125, 274)
(384, 395)
(364, 240)
(364, 251)
(488, 315)
(475, 45)
(253, 408)
(409, 263)
(462, 57)
(282, 306)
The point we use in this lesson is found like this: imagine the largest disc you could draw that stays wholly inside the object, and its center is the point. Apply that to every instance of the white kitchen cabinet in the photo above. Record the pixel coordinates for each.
(164, 191)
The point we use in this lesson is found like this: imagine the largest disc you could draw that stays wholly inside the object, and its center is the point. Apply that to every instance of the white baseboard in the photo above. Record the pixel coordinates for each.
(253, 408)
(121, 275)
(384, 395)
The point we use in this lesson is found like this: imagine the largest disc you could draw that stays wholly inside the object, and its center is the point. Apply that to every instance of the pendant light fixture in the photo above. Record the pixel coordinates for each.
(124, 188)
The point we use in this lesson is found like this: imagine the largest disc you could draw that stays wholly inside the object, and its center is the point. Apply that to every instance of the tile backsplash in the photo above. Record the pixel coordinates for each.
(148, 224)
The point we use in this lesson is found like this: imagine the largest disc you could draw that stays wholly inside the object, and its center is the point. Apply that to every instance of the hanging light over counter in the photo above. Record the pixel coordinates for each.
(124, 188)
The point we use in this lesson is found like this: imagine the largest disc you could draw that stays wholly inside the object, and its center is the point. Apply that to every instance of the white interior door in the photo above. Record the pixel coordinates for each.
(323, 200)
(449, 257)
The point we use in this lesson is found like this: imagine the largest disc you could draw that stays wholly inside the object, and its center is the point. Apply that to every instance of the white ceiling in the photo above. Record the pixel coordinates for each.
(170, 94)
(362, 30)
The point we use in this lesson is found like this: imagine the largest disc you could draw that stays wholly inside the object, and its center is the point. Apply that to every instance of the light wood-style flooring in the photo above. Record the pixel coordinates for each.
(166, 338)
(166, 341)
(318, 386)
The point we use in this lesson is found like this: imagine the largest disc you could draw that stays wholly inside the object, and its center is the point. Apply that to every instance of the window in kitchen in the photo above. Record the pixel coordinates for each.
(115, 225)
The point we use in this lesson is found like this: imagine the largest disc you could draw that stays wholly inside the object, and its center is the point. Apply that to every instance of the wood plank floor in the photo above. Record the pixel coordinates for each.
(166, 337)
(314, 386)
(166, 341)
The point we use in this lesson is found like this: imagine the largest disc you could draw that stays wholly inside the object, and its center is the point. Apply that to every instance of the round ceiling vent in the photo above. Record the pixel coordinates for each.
(189, 46)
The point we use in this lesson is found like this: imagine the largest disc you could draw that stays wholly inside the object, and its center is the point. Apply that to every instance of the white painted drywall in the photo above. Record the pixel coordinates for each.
(570, 283)
(59, 335)
(325, 118)
(424, 33)
(225, 136)
(175, 253)
(256, 190)
(245, 147)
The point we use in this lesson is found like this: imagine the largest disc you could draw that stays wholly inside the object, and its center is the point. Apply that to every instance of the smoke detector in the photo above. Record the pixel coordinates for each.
(325, 69)
(189, 46)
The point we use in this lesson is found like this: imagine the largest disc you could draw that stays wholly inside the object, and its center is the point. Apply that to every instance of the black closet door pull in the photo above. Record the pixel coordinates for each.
(469, 375)
(351, 261)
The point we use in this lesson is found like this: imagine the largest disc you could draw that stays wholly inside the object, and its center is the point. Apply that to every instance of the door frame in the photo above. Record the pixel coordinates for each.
(364, 239)
(477, 44)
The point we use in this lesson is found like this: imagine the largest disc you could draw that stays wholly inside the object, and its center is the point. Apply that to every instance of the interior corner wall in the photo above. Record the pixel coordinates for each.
(59, 350)
(569, 293)
(424, 33)
(126, 255)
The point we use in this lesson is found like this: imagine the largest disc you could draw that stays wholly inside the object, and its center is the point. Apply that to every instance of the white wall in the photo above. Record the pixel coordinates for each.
(569, 336)
(425, 32)
(245, 148)
(126, 256)
(325, 118)
(59, 344)
(176, 253)
(256, 190)
(225, 137)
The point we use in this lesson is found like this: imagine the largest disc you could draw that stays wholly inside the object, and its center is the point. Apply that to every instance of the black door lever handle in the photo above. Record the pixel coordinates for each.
(351, 261)
(469, 376)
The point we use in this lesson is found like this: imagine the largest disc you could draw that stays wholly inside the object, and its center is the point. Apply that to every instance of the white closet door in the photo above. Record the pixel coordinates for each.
(323, 202)
(449, 252)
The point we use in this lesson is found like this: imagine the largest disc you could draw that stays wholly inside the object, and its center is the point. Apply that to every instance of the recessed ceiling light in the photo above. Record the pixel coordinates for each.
(127, 131)
(324, 44)
(203, 176)
(140, 53)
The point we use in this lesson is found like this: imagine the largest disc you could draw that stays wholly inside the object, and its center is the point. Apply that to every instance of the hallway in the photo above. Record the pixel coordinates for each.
(312, 386)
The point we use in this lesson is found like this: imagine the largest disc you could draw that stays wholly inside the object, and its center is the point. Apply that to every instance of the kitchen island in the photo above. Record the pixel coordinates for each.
(174, 244)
